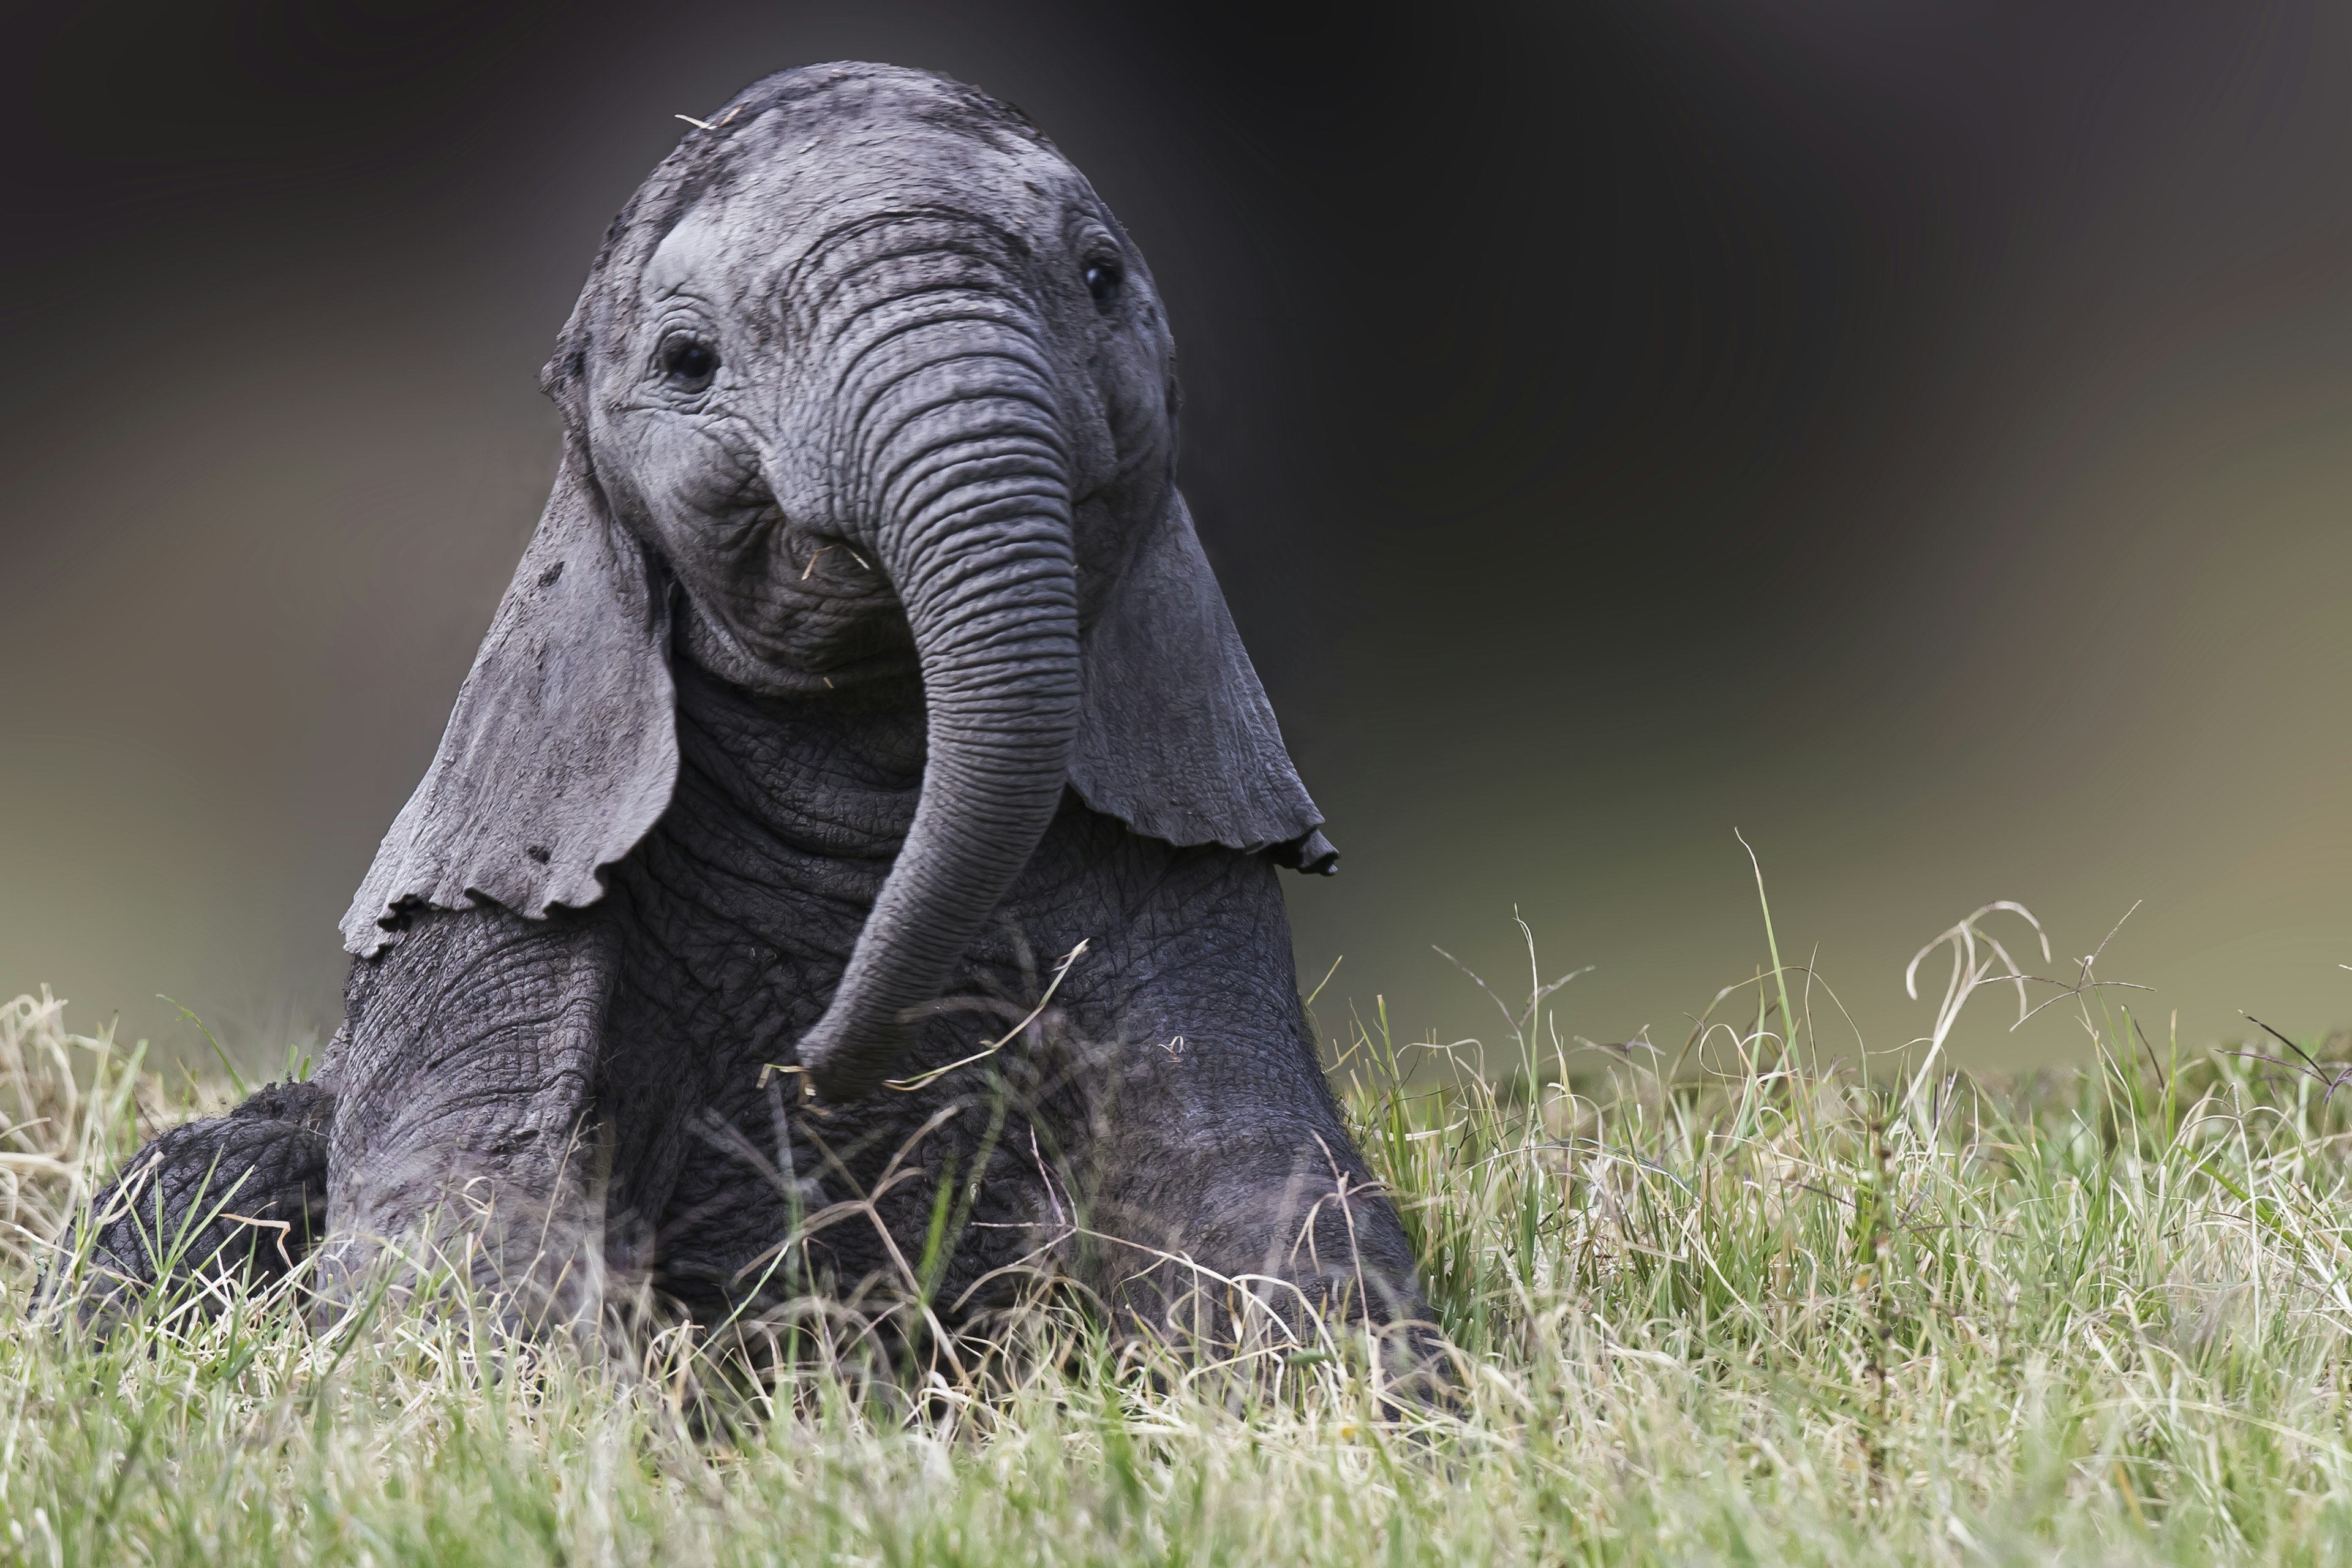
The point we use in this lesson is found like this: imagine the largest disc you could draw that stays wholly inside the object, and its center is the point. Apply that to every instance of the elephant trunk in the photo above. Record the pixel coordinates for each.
(963, 472)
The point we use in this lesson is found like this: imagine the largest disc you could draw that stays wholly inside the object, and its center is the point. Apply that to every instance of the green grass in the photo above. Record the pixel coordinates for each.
(1735, 1302)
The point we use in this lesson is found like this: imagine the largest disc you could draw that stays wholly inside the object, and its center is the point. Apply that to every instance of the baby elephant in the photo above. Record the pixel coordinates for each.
(864, 668)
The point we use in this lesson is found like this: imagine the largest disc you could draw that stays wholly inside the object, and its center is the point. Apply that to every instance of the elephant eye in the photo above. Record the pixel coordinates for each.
(688, 364)
(1102, 282)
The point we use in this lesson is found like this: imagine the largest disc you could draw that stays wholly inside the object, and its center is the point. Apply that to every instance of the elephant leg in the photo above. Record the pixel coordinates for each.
(1223, 1189)
(235, 1196)
(466, 1128)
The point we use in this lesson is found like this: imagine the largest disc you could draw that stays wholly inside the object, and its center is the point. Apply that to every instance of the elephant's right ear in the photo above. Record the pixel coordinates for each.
(1175, 736)
(563, 749)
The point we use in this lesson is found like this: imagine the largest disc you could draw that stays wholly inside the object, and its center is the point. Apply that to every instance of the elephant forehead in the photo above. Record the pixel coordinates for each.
(688, 256)
(753, 245)
(790, 186)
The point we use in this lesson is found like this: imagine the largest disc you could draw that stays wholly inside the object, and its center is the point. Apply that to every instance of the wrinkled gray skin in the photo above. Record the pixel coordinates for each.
(864, 664)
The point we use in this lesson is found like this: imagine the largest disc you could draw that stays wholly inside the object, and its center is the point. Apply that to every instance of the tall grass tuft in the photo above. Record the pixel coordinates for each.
(1754, 1295)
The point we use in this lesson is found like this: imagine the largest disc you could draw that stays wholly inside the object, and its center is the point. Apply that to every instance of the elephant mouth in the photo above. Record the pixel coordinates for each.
(804, 612)
(781, 609)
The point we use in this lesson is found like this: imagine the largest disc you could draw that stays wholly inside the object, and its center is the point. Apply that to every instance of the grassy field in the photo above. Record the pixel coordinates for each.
(1738, 1301)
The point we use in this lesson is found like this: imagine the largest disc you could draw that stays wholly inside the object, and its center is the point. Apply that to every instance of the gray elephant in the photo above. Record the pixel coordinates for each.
(864, 667)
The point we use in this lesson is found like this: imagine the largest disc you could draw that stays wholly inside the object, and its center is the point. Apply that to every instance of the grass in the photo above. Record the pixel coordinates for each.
(1740, 1301)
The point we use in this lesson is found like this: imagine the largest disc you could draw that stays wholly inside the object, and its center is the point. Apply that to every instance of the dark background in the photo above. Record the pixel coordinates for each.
(1917, 434)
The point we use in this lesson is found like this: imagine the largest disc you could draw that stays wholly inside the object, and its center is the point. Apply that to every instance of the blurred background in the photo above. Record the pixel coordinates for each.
(1915, 433)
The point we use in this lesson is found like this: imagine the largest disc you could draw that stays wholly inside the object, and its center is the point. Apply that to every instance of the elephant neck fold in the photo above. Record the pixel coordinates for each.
(830, 773)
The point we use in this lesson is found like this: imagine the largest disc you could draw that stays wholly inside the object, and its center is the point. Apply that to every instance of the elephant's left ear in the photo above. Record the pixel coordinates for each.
(562, 752)
(1177, 737)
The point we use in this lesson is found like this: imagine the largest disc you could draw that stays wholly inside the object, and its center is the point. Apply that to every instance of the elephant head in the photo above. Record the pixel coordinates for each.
(866, 385)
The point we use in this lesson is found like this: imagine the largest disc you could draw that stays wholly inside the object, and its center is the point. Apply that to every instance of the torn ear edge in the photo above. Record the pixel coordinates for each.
(1311, 853)
(1176, 736)
(562, 751)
